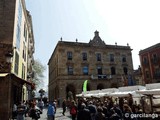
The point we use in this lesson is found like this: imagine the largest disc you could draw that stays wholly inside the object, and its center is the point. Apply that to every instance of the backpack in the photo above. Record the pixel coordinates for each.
(73, 111)
(34, 113)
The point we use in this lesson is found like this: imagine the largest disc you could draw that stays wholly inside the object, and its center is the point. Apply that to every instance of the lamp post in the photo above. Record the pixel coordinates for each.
(9, 59)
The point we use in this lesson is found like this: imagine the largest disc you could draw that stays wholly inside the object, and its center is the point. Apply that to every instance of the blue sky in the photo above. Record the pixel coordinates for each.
(136, 22)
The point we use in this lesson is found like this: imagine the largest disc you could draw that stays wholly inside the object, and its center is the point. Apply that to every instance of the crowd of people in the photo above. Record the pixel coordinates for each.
(31, 108)
(122, 108)
(110, 109)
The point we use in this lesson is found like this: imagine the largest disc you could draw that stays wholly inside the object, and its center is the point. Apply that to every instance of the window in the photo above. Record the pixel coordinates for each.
(16, 63)
(157, 73)
(69, 55)
(113, 71)
(24, 51)
(23, 71)
(154, 59)
(124, 58)
(111, 58)
(70, 70)
(18, 29)
(18, 33)
(147, 74)
(99, 70)
(125, 70)
(154, 56)
(25, 32)
(84, 56)
(85, 70)
(145, 60)
(98, 55)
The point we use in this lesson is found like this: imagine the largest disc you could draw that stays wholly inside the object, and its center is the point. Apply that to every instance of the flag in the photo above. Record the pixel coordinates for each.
(85, 85)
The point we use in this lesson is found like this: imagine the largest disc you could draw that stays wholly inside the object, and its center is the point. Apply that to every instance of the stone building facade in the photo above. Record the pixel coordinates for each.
(74, 62)
(150, 64)
(138, 76)
(16, 38)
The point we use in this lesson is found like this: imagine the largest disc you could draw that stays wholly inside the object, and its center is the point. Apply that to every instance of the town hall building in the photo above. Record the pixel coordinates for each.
(71, 63)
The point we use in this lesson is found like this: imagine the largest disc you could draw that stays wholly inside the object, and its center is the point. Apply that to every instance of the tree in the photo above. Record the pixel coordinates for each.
(38, 69)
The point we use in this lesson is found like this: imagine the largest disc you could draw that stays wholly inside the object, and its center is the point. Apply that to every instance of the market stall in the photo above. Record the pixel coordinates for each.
(152, 92)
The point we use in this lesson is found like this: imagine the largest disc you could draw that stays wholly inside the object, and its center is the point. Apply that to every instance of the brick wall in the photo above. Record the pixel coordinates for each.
(7, 13)
(4, 99)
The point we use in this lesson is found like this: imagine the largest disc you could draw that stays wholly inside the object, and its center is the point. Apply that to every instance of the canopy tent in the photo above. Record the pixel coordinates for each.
(125, 94)
(88, 94)
(151, 89)
(153, 86)
(105, 92)
(149, 92)
(131, 88)
(125, 91)
(97, 93)
(120, 92)
(110, 90)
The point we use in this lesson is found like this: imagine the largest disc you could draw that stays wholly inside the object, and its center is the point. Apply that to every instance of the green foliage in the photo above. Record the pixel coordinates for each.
(38, 69)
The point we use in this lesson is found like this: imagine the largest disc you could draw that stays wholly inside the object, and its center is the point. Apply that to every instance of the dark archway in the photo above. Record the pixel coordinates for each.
(100, 86)
(113, 71)
(114, 85)
(70, 92)
(125, 70)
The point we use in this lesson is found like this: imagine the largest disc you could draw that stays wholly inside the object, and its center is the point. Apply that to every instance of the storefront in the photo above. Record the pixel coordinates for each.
(11, 92)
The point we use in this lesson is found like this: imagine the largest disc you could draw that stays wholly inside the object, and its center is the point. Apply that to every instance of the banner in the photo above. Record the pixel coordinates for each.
(85, 85)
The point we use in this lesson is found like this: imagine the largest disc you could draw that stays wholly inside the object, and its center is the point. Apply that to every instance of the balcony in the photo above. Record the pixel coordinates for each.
(101, 77)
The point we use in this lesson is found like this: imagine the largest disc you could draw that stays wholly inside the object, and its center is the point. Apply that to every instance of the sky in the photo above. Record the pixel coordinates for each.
(136, 22)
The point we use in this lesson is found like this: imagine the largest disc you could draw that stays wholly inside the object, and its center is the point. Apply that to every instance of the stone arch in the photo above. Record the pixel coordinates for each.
(100, 86)
(70, 92)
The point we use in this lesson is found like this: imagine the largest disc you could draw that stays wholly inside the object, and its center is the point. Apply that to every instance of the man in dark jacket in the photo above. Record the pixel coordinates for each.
(64, 106)
(93, 110)
(84, 113)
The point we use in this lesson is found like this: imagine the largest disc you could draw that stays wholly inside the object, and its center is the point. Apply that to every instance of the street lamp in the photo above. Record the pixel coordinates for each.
(9, 57)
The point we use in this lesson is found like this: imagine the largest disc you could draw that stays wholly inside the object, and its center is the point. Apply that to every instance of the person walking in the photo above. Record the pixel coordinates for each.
(21, 111)
(92, 108)
(14, 111)
(64, 107)
(100, 115)
(84, 113)
(41, 105)
(51, 112)
(34, 112)
(73, 110)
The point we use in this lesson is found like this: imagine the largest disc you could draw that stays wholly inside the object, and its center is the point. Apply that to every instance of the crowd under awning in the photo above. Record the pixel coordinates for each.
(149, 92)
(113, 92)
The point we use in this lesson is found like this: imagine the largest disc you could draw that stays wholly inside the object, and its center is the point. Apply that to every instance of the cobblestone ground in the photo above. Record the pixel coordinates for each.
(58, 115)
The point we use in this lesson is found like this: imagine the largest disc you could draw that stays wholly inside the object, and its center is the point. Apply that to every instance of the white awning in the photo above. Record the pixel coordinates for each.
(149, 92)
